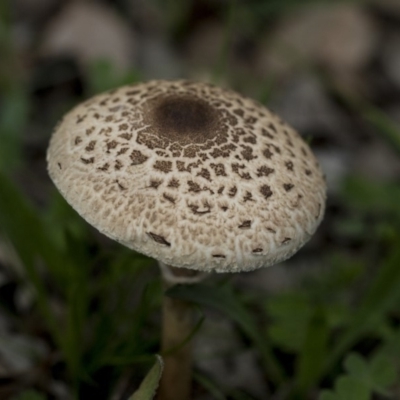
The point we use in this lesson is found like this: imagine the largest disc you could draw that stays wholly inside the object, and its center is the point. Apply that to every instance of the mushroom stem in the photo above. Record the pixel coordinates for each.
(178, 321)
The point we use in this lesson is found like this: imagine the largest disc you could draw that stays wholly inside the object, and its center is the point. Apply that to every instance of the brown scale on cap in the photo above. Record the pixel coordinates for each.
(226, 184)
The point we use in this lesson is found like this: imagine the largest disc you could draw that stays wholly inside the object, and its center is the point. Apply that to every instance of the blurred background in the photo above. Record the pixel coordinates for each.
(80, 315)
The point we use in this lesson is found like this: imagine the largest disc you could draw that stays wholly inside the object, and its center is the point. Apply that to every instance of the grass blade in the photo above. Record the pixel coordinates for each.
(224, 300)
(383, 294)
(313, 353)
(22, 226)
(148, 387)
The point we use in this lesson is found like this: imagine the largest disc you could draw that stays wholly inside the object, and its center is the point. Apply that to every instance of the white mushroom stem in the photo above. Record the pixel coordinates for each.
(185, 276)
(178, 321)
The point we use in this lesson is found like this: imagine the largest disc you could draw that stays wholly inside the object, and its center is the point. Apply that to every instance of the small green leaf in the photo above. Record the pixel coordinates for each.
(328, 395)
(350, 388)
(391, 345)
(382, 372)
(377, 374)
(356, 366)
(149, 385)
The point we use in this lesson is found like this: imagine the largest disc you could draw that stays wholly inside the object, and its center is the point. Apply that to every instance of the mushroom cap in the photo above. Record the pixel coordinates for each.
(190, 174)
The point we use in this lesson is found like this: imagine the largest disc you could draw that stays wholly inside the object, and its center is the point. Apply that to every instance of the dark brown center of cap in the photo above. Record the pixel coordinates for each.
(185, 119)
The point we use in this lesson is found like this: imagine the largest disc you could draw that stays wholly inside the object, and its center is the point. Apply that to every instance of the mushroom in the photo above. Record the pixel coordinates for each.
(200, 178)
